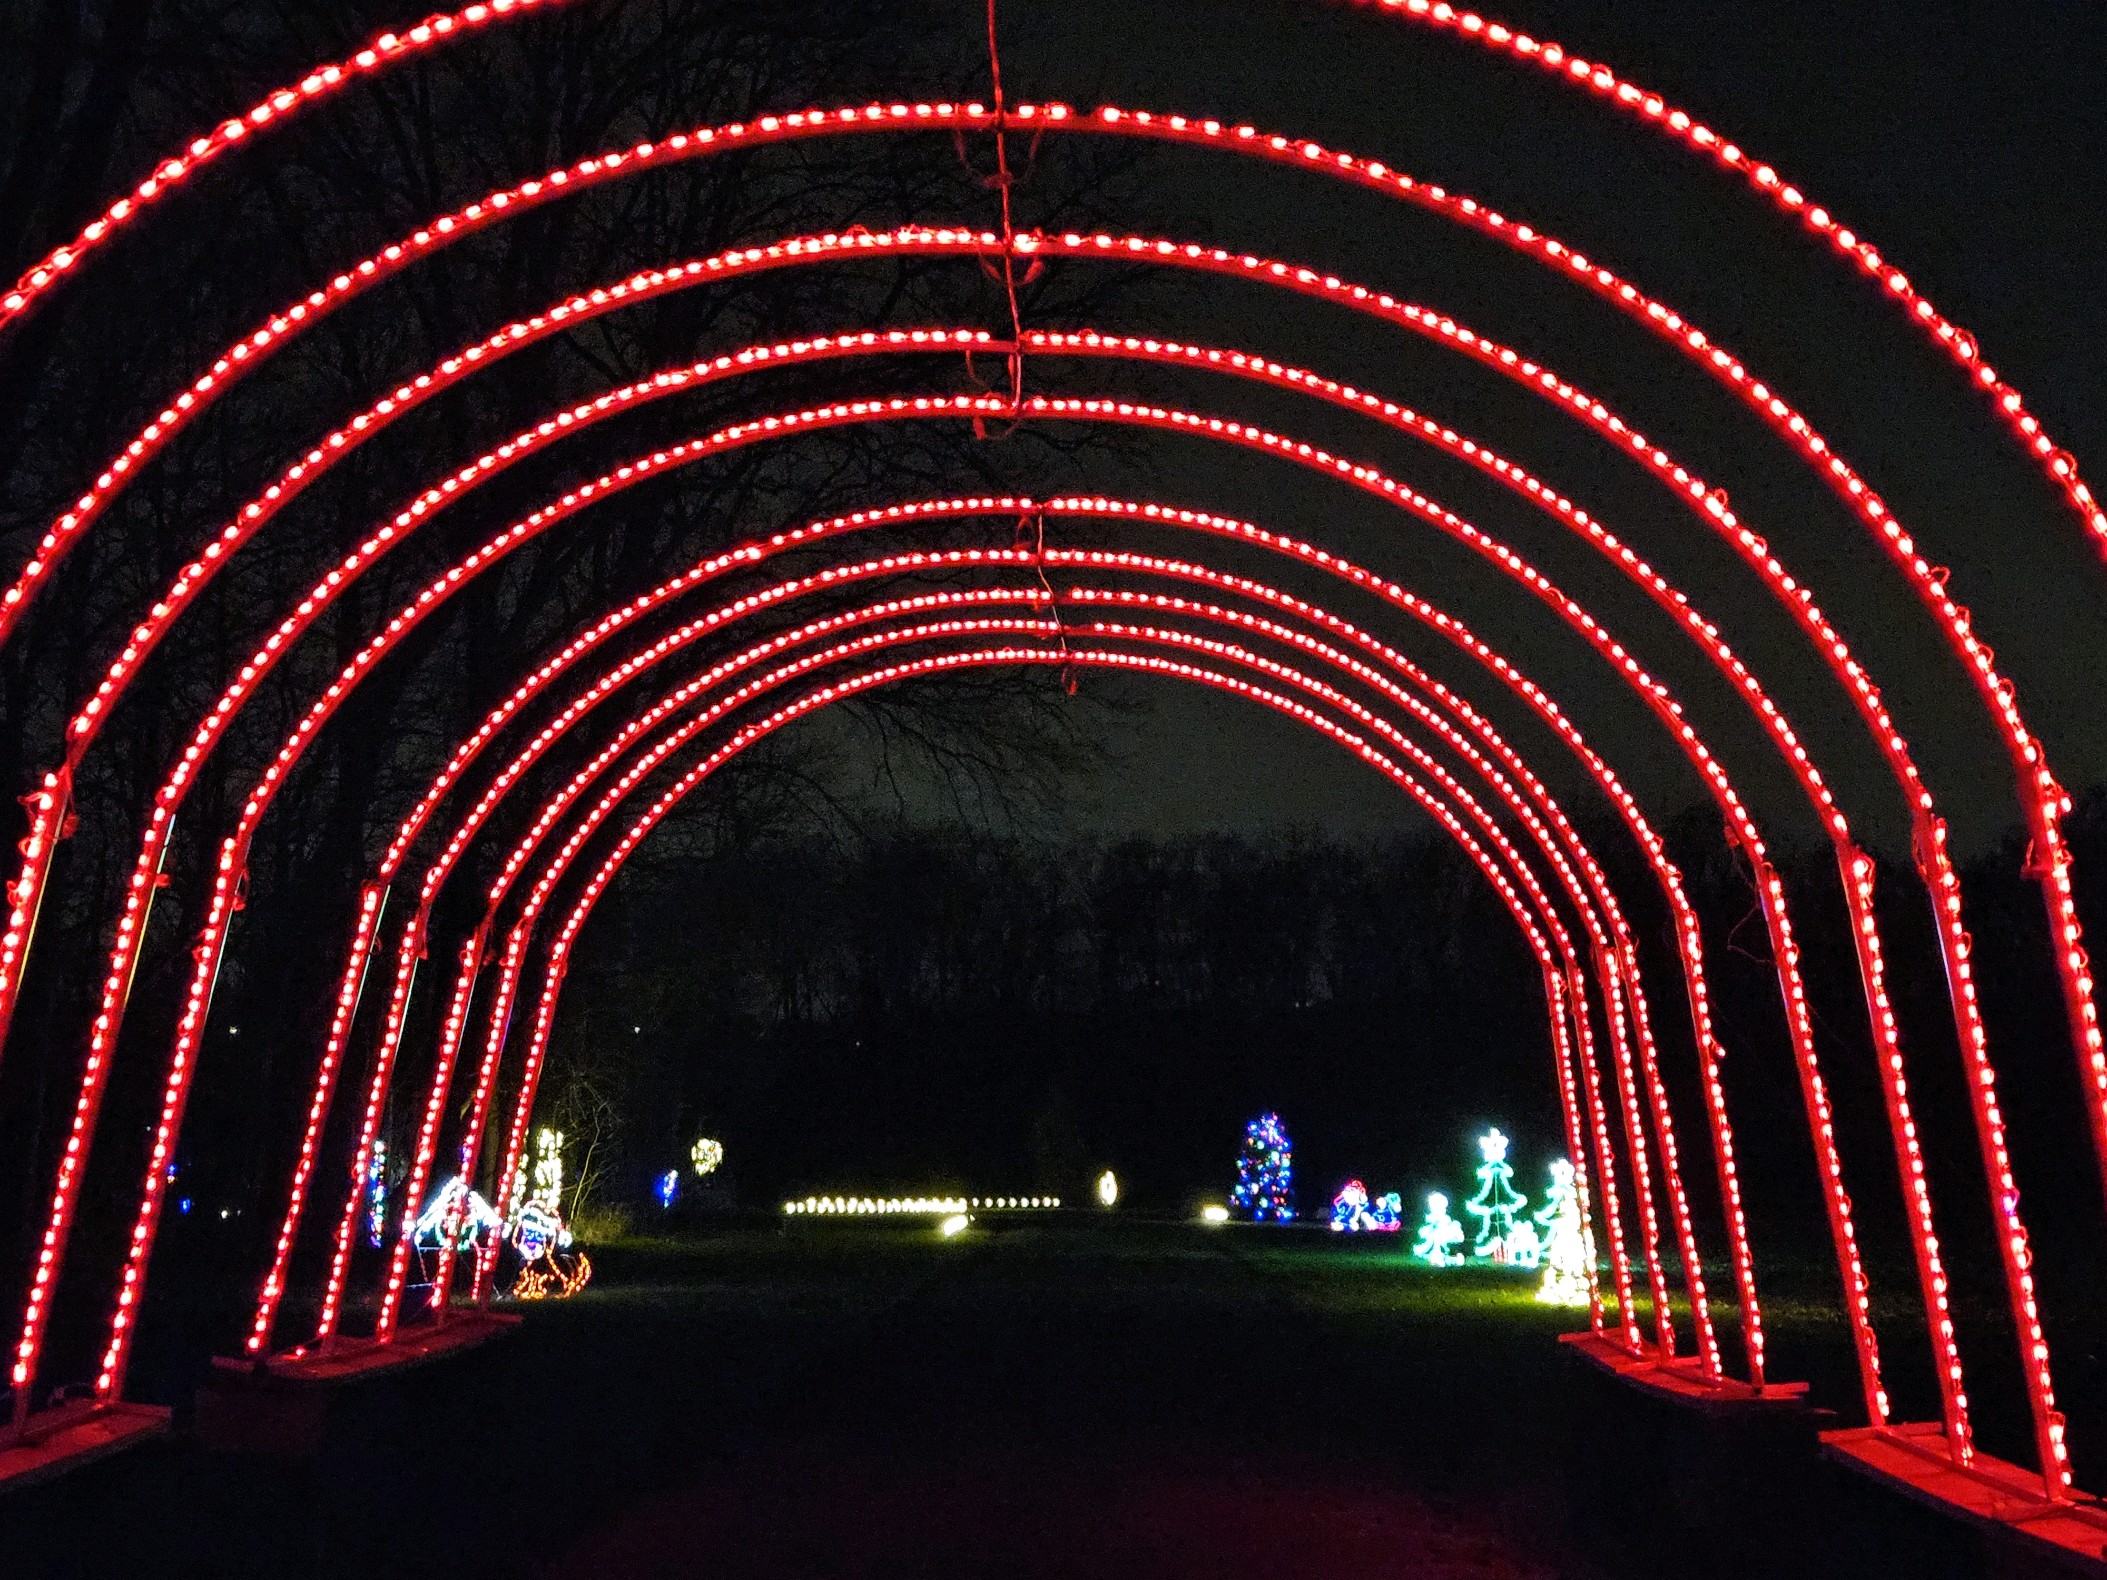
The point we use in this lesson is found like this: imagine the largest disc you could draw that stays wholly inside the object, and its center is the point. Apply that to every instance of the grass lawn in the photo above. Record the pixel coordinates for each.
(1089, 1396)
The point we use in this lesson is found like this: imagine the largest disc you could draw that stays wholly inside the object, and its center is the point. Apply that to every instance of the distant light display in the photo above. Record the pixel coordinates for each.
(1265, 1171)
(1440, 1236)
(669, 1188)
(1214, 1212)
(1355, 1212)
(1107, 1188)
(917, 1206)
(548, 1268)
(473, 1219)
(1569, 1251)
(539, 1232)
(953, 1226)
(1350, 1207)
(1500, 1238)
(551, 1280)
(548, 1169)
(706, 1155)
(377, 1193)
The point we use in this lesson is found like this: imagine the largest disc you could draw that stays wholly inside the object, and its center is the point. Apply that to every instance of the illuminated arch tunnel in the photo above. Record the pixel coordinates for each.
(1013, 589)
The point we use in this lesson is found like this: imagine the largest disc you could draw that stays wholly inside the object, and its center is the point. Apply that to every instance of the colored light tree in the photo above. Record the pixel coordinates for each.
(376, 1193)
(1569, 1250)
(1265, 1171)
(1439, 1235)
(1496, 1204)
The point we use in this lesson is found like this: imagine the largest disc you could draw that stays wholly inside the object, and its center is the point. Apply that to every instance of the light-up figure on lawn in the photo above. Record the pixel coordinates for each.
(1496, 1205)
(1354, 1211)
(1569, 1250)
(1440, 1236)
(1265, 1171)
(1350, 1208)
(548, 1268)
(455, 1207)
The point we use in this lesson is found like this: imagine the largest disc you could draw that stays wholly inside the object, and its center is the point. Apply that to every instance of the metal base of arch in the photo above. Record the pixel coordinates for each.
(65, 1439)
(1683, 1380)
(2000, 1498)
(281, 1406)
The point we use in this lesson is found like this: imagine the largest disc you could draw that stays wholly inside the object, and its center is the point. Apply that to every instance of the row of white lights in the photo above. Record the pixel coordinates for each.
(837, 1206)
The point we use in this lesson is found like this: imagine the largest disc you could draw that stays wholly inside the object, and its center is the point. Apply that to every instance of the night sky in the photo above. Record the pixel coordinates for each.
(1969, 143)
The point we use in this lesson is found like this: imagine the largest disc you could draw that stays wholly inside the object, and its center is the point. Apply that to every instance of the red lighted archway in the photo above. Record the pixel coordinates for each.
(2042, 799)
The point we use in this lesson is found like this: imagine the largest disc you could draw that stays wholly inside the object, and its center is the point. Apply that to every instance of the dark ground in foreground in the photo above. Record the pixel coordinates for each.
(1091, 1398)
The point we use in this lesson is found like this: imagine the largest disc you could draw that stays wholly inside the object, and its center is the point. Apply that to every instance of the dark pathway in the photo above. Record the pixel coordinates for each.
(1091, 1399)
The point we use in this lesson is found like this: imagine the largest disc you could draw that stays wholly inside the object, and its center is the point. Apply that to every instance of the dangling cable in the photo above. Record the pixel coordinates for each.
(1035, 523)
(1009, 233)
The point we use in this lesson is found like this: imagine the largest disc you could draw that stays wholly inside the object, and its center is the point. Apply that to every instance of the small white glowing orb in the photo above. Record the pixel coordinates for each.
(1214, 1212)
(1107, 1188)
(955, 1224)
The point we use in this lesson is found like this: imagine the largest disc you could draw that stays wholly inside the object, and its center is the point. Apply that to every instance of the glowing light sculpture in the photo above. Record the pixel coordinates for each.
(548, 1171)
(706, 1156)
(456, 1208)
(1497, 1204)
(1107, 1189)
(668, 1188)
(1265, 1171)
(1568, 1248)
(548, 1269)
(1439, 1234)
(1350, 1208)
(1354, 1211)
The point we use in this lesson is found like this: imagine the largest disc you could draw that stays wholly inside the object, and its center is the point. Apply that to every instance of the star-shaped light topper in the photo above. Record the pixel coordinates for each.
(1493, 1146)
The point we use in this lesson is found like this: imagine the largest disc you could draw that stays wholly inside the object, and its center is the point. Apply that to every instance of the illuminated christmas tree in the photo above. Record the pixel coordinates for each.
(1569, 1250)
(377, 1192)
(1265, 1171)
(1439, 1235)
(1496, 1203)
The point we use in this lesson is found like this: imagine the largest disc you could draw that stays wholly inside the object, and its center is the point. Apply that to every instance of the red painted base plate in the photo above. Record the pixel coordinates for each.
(59, 1440)
(280, 1406)
(1683, 1380)
(348, 1359)
(1997, 1496)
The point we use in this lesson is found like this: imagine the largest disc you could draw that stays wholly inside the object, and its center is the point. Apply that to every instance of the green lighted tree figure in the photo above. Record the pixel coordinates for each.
(1497, 1200)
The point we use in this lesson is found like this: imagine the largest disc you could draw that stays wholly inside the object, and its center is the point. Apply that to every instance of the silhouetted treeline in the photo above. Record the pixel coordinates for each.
(91, 91)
